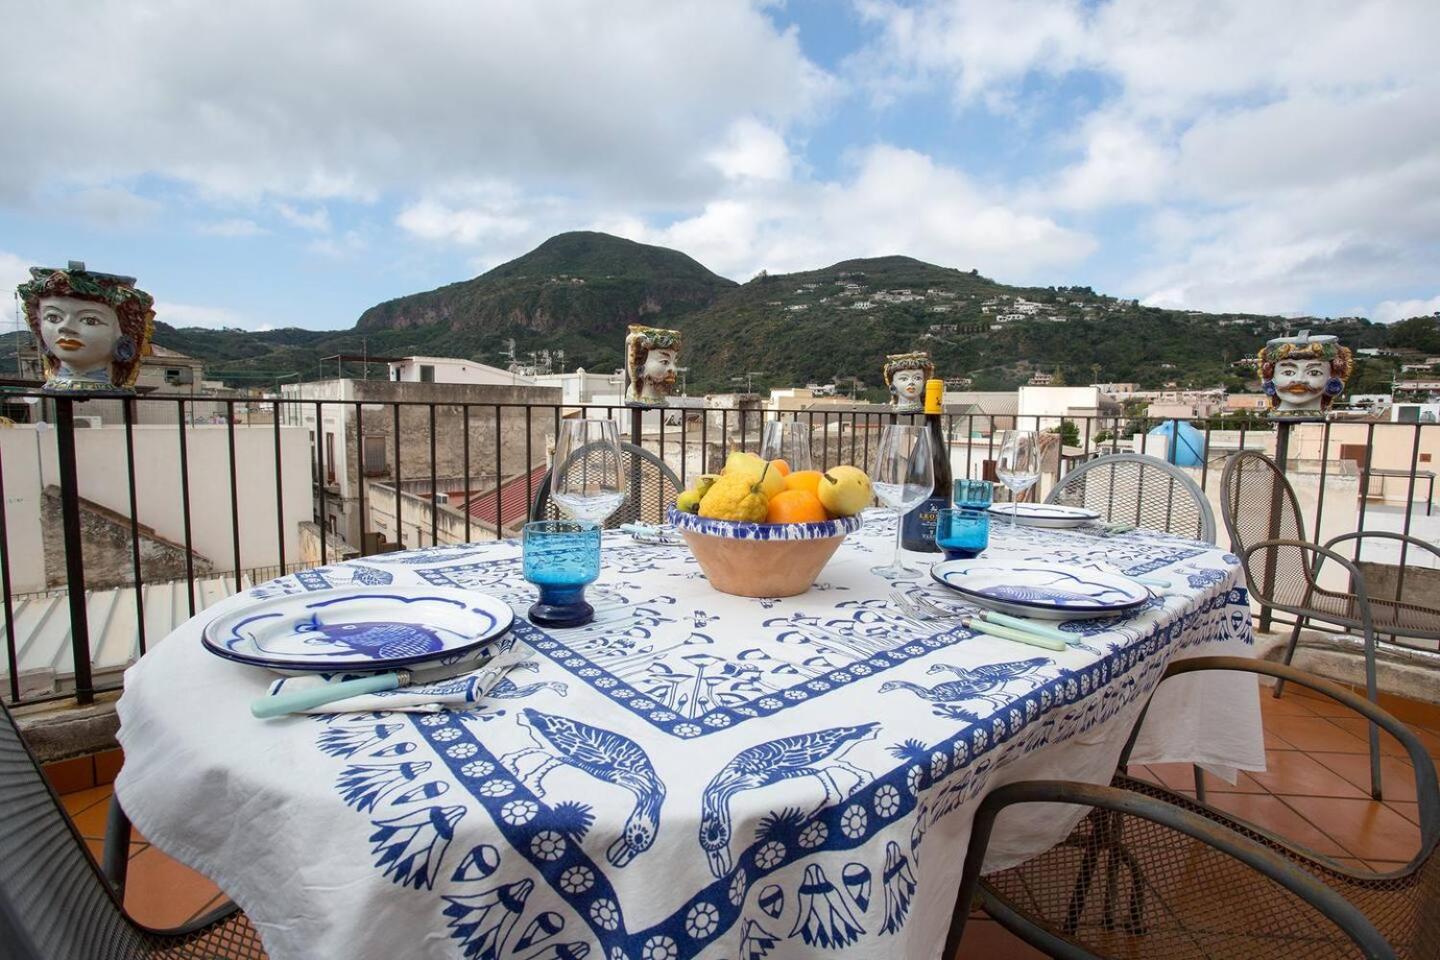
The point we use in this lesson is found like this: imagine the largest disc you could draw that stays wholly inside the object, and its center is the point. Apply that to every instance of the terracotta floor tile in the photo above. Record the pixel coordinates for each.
(91, 821)
(107, 765)
(1245, 783)
(1179, 777)
(69, 776)
(1365, 828)
(1271, 813)
(81, 799)
(1315, 733)
(1410, 811)
(1430, 738)
(1359, 727)
(1385, 866)
(1397, 777)
(1288, 705)
(1294, 772)
(96, 847)
(216, 903)
(1274, 741)
(162, 893)
(986, 938)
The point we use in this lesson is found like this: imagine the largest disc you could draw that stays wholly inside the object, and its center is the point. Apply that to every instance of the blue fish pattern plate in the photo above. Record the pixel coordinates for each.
(1051, 591)
(1050, 515)
(359, 629)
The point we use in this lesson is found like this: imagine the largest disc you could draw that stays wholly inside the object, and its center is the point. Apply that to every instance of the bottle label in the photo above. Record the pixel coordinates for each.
(917, 530)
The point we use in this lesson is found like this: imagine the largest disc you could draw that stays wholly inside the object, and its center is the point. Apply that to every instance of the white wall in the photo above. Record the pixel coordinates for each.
(21, 466)
(449, 370)
(101, 473)
(1056, 401)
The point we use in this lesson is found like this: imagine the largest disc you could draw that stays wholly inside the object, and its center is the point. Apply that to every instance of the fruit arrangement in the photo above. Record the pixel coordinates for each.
(754, 490)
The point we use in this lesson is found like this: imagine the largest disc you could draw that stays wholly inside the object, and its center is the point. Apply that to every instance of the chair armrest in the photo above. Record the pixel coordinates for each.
(1288, 874)
(1427, 789)
(1383, 535)
(1320, 555)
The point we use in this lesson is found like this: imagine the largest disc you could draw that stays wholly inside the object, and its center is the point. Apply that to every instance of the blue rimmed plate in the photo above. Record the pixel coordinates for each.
(1051, 515)
(359, 629)
(1047, 591)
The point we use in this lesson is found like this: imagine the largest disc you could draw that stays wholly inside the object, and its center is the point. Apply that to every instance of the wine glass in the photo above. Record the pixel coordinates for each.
(588, 479)
(788, 440)
(903, 478)
(1019, 464)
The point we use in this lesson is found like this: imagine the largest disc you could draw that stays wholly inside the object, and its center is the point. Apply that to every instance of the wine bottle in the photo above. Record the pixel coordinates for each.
(918, 530)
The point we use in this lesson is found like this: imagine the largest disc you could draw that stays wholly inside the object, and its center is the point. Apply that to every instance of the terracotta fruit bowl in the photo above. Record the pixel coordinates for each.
(761, 559)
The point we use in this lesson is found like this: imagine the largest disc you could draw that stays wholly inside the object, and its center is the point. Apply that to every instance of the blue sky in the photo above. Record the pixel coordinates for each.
(1277, 157)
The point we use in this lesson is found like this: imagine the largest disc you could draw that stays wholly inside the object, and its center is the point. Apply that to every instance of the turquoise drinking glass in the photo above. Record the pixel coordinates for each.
(974, 493)
(561, 557)
(962, 532)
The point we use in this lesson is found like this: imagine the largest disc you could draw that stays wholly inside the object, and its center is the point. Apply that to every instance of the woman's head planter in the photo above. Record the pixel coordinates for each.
(651, 364)
(905, 376)
(1304, 374)
(93, 328)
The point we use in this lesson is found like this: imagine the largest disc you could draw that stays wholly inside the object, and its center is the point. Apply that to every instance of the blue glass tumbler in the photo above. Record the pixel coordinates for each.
(974, 493)
(561, 557)
(962, 532)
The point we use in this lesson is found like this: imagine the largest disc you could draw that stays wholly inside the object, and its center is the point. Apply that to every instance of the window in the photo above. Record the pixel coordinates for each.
(427, 373)
(1356, 452)
(373, 456)
(329, 456)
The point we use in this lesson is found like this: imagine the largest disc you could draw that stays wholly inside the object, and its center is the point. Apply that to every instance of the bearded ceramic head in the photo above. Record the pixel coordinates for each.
(905, 376)
(1303, 375)
(652, 358)
(93, 328)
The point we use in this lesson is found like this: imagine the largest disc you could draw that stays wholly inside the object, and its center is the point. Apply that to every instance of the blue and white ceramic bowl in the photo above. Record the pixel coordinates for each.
(1052, 516)
(1047, 591)
(359, 629)
(761, 559)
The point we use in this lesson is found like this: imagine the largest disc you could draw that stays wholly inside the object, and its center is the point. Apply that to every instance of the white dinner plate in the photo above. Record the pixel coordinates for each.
(359, 629)
(1051, 515)
(1046, 591)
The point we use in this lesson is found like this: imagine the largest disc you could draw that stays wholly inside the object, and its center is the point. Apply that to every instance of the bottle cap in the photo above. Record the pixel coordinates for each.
(934, 390)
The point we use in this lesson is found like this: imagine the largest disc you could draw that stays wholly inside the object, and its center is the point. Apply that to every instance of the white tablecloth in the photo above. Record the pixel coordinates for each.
(710, 776)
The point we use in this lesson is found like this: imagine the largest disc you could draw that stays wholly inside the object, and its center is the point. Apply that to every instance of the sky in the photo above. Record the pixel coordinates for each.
(272, 163)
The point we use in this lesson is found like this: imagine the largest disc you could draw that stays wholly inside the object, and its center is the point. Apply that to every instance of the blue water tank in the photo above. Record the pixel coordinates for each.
(1188, 450)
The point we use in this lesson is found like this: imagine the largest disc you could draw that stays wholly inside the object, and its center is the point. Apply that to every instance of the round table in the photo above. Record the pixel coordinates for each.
(697, 775)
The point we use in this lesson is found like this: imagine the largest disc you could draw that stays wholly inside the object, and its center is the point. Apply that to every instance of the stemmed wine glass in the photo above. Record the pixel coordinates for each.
(1019, 464)
(903, 477)
(788, 440)
(588, 480)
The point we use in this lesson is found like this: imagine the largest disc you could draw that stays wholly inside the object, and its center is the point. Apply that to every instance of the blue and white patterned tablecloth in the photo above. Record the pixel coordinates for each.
(711, 776)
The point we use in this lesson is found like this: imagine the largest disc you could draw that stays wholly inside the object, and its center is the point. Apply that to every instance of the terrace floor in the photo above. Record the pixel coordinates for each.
(1315, 792)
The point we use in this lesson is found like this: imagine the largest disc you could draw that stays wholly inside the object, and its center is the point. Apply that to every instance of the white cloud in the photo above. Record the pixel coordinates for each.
(195, 315)
(237, 227)
(1389, 311)
(752, 150)
(315, 221)
(14, 270)
(388, 98)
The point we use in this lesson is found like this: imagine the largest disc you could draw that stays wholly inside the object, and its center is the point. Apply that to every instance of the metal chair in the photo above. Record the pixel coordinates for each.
(55, 904)
(1282, 569)
(650, 487)
(1144, 491)
(1151, 873)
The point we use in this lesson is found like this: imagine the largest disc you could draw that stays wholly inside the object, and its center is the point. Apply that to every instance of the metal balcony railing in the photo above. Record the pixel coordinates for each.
(174, 502)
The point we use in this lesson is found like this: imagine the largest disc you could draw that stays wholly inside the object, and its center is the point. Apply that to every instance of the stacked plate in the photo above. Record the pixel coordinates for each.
(1045, 591)
(1051, 515)
(360, 629)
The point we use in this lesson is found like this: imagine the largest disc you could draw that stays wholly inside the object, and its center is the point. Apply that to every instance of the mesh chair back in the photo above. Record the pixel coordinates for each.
(1141, 491)
(1258, 504)
(54, 904)
(650, 486)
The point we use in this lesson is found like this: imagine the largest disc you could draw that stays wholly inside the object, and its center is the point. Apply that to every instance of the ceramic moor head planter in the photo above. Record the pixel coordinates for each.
(93, 328)
(1303, 375)
(651, 363)
(905, 376)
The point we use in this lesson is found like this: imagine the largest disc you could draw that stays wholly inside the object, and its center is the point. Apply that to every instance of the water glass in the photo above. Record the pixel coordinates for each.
(588, 480)
(974, 493)
(903, 478)
(788, 440)
(561, 557)
(962, 532)
(1018, 466)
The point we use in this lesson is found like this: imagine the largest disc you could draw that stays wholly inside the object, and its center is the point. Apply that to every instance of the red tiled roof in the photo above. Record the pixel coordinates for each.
(514, 500)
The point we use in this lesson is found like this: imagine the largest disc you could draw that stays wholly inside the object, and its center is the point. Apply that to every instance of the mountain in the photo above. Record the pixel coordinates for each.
(577, 292)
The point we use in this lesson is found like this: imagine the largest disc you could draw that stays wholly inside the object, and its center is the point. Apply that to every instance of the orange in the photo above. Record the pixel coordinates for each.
(795, 506)
(804, 480)
(780, 467)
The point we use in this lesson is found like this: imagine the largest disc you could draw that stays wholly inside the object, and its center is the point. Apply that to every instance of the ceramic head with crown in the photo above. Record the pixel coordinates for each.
(93, 328)
(652, 357)
(1302, 375)
(905, 375)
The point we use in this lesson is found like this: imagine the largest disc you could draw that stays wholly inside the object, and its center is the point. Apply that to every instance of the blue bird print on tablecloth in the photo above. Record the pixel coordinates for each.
(986, 682)
(604, 755)
(482, 923)
(379, 640)
(815, 755)
(508, 689)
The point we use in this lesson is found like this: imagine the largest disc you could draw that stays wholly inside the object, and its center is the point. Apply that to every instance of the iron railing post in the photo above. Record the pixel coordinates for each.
(74, 550)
